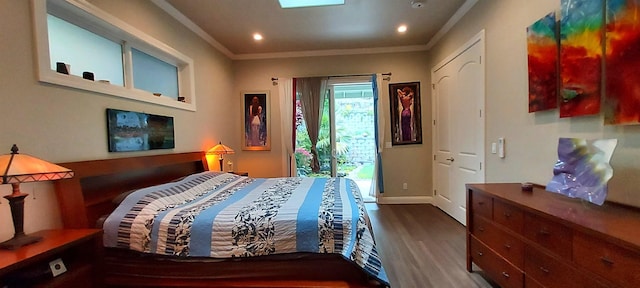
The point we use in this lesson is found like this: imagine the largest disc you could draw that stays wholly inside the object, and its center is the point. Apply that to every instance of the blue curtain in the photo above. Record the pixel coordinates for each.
(380, 181)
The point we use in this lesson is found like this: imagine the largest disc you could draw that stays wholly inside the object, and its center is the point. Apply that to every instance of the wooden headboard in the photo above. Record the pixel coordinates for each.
(88, 196)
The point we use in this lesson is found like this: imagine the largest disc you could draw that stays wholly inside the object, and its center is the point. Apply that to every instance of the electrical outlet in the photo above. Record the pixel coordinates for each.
(57, 267)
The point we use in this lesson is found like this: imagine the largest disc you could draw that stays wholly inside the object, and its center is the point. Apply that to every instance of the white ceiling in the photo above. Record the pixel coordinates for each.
(358, 26)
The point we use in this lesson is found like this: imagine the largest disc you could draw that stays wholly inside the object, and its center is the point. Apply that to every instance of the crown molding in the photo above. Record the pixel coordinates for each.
(173, 12)
(468, 4)
(332, 52)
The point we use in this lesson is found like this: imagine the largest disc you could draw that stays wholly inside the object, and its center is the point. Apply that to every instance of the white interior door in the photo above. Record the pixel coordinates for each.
(458, 104)
(442, 93)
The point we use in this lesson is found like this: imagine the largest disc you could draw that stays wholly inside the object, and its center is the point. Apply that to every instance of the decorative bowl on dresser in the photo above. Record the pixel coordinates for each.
(544, 239)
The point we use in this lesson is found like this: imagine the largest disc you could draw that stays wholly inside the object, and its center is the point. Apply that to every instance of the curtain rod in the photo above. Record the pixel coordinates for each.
(357, 75)
(387, 75)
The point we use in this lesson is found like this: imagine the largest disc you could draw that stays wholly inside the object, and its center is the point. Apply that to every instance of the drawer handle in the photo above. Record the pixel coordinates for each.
(508, 246)
(480, 203)
(545, 270)
(507, 214)
(606, 261)
(506, 275)
(543, 232)
(481, 229)
(480, 254)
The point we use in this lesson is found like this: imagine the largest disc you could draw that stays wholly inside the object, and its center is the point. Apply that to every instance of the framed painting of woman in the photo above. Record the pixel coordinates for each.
(255, 124)
(405, 107)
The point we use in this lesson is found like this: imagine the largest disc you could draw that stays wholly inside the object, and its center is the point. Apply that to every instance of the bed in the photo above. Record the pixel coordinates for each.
(88, 199)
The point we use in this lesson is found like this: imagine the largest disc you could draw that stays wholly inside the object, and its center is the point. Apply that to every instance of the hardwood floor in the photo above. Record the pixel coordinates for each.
(421, 246)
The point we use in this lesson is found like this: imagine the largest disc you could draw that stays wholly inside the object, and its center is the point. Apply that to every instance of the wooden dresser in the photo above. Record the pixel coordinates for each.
(544, 239)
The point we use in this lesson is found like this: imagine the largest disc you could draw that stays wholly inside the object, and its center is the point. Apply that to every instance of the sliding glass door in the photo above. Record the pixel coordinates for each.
(346, 139)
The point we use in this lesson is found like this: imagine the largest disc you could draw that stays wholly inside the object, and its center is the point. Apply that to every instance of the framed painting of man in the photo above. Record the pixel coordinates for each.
(406, 123)
(255, 124)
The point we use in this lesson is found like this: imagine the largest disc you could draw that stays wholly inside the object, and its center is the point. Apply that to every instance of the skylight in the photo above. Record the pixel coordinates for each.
(308, 3)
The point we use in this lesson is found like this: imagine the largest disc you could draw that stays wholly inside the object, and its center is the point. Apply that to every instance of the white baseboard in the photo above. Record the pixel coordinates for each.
(405, 200)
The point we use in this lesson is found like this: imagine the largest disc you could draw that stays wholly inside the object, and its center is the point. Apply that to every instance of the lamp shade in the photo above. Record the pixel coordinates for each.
(19, 168)
(220, 149)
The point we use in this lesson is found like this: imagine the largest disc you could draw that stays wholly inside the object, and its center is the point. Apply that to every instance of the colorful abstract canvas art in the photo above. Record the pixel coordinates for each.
(581, 33)
(542, 57)
(622, 100)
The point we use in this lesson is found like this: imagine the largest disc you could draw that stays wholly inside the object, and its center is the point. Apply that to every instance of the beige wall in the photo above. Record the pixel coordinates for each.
(531, 138)
(406, 163)
(61, 124)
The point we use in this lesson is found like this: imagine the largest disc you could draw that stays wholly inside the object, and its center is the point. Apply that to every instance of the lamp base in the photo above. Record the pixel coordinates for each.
(16, 202)
(18, 241)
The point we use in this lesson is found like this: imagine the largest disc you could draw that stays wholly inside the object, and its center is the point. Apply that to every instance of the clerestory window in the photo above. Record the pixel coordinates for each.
(83, 47)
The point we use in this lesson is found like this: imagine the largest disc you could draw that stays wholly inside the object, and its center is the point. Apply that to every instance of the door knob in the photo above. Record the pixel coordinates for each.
(450, 159)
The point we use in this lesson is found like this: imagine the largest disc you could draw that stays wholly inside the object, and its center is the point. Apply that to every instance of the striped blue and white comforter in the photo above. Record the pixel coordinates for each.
(223, 215)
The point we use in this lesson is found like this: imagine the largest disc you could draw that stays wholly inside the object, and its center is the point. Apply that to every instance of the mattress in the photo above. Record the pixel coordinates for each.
(222, 215)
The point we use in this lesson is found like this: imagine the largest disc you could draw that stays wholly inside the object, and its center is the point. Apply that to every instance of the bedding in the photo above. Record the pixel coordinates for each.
(222, 215)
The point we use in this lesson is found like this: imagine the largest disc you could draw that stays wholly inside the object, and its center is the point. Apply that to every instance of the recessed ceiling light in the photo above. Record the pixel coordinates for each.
(308, 3)
(257, 36)
(417, 3)
(402, 28)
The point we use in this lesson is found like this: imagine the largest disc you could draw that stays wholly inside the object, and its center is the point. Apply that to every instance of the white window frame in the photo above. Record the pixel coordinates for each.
(90, 17)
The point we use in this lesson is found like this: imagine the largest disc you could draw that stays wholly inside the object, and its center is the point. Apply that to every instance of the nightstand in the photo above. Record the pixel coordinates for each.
(240, 173)
(31, 266)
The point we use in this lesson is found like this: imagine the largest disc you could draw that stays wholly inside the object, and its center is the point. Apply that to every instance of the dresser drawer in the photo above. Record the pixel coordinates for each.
(614, 263)
(531, 283)
(498, 269)
(508, 215)
(481, 204)
(543, 270)
(504, 243)
(548, 234)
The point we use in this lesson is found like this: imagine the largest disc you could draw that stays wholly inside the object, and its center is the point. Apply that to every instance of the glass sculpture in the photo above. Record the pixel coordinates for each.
(583, 169)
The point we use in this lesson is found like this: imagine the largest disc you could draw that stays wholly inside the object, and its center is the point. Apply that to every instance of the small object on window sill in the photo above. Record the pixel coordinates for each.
(527, 187)
(63, 68)
(157, 94)
(87, 75)
(104, 81)
(181, 99)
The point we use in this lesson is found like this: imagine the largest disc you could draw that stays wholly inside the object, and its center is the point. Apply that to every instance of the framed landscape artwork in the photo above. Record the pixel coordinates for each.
(137, 131)
(406, 123)
(255, 124)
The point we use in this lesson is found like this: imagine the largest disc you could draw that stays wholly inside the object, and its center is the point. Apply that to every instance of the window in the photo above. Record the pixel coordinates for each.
(153, 74)
(84, 51)
(124, 61)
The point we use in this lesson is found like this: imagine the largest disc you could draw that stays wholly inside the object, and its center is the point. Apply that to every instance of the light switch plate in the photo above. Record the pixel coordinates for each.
(57, 267)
